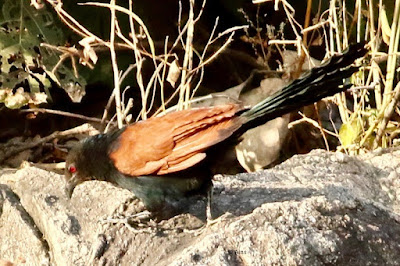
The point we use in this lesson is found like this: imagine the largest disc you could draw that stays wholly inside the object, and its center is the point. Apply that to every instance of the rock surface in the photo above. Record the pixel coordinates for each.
(314, 209)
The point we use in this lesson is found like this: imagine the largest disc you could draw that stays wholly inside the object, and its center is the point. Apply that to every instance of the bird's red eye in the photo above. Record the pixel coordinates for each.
(72, 169)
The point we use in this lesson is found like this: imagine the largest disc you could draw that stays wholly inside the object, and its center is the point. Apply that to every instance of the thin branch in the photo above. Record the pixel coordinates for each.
(117, 90)
(85, 128)
(62, 113)
(387, 115)
(312, 122)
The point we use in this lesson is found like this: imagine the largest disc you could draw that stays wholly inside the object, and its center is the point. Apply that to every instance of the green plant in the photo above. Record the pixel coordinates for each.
(27, 69)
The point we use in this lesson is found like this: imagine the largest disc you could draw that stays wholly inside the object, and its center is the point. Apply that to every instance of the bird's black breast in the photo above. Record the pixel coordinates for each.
(167, 195)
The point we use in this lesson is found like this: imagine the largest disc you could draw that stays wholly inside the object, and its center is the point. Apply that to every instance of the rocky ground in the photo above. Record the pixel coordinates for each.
(314, 209)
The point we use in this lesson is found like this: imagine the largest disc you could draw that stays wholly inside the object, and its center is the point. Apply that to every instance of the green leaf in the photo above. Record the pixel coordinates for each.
(23, 61)
(350, 132)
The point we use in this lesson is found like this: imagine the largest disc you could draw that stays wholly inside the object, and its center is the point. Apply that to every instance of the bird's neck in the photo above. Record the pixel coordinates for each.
(95, 153)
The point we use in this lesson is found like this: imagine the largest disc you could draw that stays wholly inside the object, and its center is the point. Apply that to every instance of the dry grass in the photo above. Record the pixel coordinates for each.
(367, 118)
(166, 67)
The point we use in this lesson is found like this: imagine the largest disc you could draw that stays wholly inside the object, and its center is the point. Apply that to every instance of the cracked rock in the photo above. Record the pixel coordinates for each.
(315, 209)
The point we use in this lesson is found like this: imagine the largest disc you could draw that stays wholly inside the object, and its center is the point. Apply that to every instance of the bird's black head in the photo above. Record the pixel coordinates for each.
(76, 170)
(89, 160)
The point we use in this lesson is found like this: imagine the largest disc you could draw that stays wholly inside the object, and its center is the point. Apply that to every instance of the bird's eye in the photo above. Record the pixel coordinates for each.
(72, 169)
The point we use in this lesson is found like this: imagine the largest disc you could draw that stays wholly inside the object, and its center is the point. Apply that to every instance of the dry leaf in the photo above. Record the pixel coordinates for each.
(21, 98)
(88, 52)
(16, 100)
(4, 93)
(38, 98)
(386, 30)
(174, 73)
(75, 91)
(38, 4)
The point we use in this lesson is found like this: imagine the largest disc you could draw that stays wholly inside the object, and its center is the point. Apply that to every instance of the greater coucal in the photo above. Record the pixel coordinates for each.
(163, 160)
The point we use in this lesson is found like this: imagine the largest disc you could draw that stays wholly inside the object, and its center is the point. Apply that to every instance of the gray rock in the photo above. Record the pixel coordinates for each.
(315, 209)
(20, 239)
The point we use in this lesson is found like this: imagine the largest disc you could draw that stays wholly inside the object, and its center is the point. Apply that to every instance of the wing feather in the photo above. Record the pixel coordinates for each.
(173, 142)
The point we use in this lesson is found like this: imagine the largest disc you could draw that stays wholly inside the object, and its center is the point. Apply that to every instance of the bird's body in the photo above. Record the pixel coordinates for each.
(165, 159)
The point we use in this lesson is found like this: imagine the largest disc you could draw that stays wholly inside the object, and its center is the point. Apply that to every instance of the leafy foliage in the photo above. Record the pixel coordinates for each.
(26, 68)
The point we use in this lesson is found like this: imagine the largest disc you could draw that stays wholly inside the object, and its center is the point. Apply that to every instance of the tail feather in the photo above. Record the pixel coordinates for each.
(323, 81)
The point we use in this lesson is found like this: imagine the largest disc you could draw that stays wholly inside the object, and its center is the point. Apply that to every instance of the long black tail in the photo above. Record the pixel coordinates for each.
(320, 82)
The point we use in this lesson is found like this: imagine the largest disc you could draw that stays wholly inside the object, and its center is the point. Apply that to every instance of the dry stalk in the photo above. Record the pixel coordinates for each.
(82, 129)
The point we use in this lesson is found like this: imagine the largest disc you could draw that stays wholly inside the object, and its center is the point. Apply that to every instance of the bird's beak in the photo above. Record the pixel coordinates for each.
(71, 184)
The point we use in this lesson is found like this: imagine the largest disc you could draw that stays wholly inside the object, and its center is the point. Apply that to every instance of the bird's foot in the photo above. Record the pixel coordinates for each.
(220, 219)
(141, 222)
(210, 222)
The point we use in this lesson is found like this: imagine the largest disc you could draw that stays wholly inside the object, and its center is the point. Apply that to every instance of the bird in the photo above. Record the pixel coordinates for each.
(165, 160)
